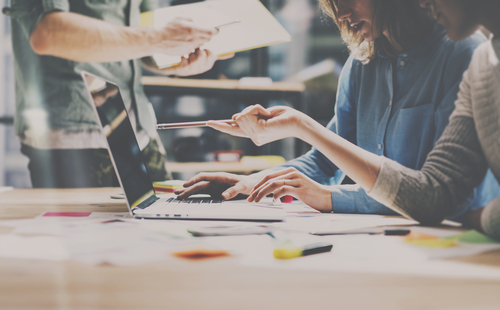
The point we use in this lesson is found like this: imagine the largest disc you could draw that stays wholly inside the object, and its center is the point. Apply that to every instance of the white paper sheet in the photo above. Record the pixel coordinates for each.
(334, 224)
(256, 27)
(375, 254)
(40, 247)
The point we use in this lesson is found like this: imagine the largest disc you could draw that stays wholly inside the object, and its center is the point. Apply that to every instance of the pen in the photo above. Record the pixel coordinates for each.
(227, 24)
(292, 252)
(367, 231)
(190, 124)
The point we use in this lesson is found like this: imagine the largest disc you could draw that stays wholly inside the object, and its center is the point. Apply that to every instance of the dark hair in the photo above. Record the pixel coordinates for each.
(404, 20)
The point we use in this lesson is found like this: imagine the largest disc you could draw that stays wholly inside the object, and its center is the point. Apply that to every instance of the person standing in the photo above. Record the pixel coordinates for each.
(53, 41)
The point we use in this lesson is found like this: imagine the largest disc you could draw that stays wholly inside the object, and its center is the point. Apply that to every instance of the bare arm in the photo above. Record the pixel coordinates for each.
(452, 170)
(362, 166)
(80, 38)
(266, 125)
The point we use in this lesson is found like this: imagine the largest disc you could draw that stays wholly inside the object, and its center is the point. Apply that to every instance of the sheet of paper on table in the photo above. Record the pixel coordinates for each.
(254, 25)
(328, 224)
(108, 239)
(376, 254)
(449, 243)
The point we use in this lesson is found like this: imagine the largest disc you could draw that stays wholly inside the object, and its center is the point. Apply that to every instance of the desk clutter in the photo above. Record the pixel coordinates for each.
(306, 240)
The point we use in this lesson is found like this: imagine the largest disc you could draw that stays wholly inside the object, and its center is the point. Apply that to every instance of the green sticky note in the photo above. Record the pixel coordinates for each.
(473, 236)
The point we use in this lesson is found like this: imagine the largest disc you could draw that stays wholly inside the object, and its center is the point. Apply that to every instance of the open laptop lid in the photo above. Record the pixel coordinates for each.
(124, 150)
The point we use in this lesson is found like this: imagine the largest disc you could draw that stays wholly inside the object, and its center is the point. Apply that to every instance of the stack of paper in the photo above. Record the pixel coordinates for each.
(252, 25)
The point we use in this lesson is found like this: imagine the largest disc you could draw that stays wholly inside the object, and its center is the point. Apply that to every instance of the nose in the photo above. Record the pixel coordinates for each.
(344, 11)
(426, 3)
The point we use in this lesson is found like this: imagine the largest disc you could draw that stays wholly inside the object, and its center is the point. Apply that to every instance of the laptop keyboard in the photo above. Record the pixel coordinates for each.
(183, 206)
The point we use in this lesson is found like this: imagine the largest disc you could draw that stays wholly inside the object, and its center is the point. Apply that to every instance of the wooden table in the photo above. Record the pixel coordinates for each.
(214, 284)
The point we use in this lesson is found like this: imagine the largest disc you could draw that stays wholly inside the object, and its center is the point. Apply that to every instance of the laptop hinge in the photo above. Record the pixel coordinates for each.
(146, 203)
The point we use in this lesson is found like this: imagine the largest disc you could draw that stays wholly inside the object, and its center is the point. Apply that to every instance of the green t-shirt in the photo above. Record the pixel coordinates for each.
(51, 90)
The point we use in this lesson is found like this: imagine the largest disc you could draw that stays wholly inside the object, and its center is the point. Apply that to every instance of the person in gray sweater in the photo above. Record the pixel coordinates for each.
(469, 145)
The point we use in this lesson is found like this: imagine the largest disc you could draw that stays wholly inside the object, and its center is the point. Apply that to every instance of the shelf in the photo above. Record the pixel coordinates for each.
(220, 84)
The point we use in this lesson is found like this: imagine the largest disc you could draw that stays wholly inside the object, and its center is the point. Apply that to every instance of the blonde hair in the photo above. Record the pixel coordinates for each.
(404, 20)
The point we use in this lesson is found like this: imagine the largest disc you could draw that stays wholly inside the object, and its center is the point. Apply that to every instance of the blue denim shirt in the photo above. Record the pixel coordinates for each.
(399, 119)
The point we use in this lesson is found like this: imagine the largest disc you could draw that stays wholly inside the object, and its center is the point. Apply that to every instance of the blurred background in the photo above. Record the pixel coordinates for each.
(314, 58)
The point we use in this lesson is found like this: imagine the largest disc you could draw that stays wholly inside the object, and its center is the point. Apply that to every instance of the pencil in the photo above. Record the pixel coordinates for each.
(190, 124)
(227, 24)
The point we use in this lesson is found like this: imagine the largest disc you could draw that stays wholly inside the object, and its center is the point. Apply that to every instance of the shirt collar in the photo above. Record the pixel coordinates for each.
(495, 43)
(417, 50)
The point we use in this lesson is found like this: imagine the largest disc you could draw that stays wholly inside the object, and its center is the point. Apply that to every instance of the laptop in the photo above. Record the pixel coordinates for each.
(133, 176)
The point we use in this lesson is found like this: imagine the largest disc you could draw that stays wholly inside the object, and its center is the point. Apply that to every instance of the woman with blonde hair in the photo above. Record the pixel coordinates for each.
(469, 145)
(395, 95)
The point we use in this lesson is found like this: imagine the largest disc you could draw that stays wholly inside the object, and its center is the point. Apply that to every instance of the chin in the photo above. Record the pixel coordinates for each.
(460, 34)
(460, 30)
(368, 38)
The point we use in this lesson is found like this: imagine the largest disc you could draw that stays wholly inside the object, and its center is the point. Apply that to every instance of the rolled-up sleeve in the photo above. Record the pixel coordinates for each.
(149, 5)
(28, 13)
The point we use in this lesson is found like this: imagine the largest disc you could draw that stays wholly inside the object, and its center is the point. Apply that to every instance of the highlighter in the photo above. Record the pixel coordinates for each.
(292, 252)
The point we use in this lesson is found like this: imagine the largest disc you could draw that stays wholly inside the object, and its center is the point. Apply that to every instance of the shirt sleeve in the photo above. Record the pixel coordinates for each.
(353, 199)
(314, 164)
(452, 170)
(28, 13)
(149, 5)
(490, 219)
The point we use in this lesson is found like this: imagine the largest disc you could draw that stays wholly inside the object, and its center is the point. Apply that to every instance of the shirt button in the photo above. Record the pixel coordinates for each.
(402, 63)
(379, 146)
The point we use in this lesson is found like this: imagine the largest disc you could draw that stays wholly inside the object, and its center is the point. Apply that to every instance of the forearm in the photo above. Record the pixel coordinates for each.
(360, 165)
(84, 39)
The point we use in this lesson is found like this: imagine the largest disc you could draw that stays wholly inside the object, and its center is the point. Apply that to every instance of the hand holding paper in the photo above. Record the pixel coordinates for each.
(243, 25)
(182, 36)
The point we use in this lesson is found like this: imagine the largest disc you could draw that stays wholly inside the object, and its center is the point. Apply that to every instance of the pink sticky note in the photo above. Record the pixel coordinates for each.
(68, 214)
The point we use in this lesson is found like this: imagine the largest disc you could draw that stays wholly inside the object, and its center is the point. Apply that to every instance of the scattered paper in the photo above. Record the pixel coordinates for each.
(298, 207)
(5, 188)
(334, 224)
(68, 214)
(40, 247)
(437, 243)
(376, 254)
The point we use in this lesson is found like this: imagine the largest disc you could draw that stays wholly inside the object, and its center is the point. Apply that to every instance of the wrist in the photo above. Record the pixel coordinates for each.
(328, 202)
(303, 127)
(151, 38)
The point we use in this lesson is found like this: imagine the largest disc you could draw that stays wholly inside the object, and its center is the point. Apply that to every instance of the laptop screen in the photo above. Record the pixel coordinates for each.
(123, 147)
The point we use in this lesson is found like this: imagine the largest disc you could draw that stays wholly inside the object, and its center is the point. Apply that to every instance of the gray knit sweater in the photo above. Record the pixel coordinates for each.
(458, 163)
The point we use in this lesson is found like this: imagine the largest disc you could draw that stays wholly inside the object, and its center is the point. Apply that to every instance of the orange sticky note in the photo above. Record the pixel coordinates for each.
(201, 254)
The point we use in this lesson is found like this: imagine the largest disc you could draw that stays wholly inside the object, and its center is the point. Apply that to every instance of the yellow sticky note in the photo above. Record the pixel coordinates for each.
(429, 241)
